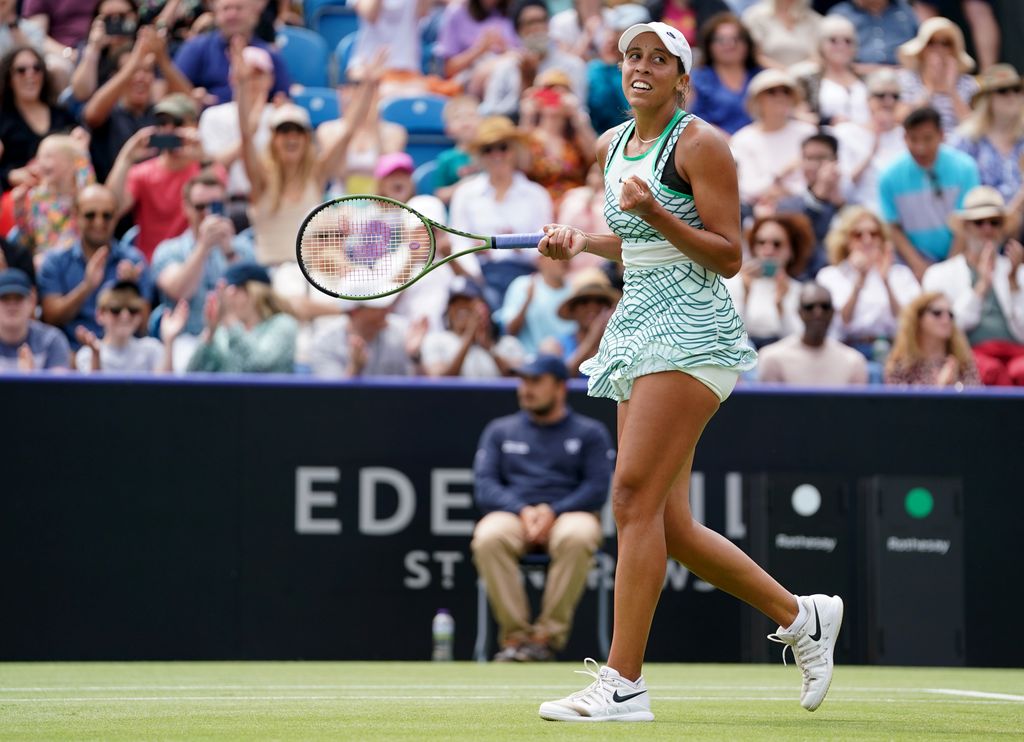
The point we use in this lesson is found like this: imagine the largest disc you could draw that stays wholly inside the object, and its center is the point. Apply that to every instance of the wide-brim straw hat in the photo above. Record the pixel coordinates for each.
(982, 202)
(996, 77)
(766, 80)
(588, 284)
(910, 52)
(494, 129)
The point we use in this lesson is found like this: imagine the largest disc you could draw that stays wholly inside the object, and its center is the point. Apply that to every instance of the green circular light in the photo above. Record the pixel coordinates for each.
(919, 503)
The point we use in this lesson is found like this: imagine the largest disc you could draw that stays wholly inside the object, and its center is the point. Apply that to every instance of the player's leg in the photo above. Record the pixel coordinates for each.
(812, 629)
(658, 430)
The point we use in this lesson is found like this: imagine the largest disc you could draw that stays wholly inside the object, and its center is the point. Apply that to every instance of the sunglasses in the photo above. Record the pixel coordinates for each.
(886, 96)
(776, 243)
(290, 128)
(496, 147)
(989, 222)
(1015, 90)
(940, 312)
(948, 43)
(858, 234)
(24, 69)
(933, 178)
(825, 306)
(778, 90)
(166, 119)
(215, 205)
(841, 40)
(104, 215)
(115, 310)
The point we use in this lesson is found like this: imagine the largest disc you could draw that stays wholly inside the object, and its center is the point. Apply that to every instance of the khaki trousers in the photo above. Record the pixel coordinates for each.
(499, 542)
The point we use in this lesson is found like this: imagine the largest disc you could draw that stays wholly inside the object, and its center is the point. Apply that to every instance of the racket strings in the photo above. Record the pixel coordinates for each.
(364, 247)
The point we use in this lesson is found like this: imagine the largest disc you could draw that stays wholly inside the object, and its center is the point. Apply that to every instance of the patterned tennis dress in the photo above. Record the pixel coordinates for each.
(674, 315)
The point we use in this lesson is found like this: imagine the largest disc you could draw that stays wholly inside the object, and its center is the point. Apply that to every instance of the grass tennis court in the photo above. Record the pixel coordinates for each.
(464, 701)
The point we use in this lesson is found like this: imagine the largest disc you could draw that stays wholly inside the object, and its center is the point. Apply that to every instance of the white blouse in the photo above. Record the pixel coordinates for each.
(872, 317)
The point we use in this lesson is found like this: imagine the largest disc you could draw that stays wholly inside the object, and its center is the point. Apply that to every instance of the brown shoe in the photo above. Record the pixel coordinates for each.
(535, 652)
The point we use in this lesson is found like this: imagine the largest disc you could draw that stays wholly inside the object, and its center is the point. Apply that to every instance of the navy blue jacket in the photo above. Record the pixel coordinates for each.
(567, 465)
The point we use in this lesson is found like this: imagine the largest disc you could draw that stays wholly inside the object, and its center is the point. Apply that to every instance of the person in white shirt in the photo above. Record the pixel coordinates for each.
(983, 284)
(119, 311)
(866, 150)
(866, 284)
(767, 151)
(813, 358)
(499, 200)
(468, 347)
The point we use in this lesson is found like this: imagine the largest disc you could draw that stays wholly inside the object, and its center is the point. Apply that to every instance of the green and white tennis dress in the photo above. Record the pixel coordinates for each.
(674, 315)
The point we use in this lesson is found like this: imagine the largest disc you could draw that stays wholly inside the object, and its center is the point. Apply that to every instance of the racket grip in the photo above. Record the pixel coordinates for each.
(511, 241)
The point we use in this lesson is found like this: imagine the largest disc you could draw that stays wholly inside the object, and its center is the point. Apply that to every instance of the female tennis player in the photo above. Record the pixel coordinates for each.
(672, 352)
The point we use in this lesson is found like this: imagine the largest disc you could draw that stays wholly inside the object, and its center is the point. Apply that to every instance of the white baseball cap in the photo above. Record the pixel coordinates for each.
(673, 40)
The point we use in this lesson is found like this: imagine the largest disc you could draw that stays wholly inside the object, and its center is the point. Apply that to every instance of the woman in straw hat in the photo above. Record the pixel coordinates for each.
(589, 306)
(499, 200)
(935, 71)
(672, 352)
(994, 132)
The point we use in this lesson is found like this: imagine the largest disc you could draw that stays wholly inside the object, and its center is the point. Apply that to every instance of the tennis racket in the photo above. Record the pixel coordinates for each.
(366, 247)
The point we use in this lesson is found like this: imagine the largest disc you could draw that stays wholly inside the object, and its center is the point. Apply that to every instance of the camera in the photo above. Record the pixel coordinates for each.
(165, 141)
(118, 25)
(768, 268)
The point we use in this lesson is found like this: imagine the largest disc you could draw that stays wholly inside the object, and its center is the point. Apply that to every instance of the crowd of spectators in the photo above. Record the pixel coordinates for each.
(157, 159)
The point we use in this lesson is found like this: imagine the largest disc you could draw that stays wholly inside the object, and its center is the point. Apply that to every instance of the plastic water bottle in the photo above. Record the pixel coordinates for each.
(444, 636)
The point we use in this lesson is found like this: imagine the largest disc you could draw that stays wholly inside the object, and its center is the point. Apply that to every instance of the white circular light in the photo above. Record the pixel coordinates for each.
(806, 500)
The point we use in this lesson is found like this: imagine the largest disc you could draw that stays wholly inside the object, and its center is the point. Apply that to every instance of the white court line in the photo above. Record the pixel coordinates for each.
(526, 698)
(421, 686)
(975, 694)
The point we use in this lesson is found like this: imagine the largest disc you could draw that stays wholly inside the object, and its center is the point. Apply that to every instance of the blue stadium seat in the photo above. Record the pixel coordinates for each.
(311, 7)
(425, 177)
(306, 55)
(342, 54)
(421, 117)
(322, 104)
(334, 23)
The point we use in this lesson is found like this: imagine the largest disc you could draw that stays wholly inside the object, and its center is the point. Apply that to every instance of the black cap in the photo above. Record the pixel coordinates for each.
(15, 281)
(241, 273)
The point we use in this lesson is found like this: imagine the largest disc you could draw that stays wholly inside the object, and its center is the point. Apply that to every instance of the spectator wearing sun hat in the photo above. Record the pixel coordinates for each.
(935, 71)
(997, 115)
(499, 200)
(248, 327)
(767, 151)
(393, 175)
(984, 284)
(589, 307)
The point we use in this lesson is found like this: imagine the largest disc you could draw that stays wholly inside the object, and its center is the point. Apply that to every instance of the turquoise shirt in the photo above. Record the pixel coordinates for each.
(920, 201)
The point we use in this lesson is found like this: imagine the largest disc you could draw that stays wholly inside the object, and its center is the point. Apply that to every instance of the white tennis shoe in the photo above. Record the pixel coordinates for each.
(609, 698)
(813, 644)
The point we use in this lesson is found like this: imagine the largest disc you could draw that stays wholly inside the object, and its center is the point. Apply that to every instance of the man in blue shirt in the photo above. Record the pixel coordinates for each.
(542, 475)
(70, 279)
(204, 59)
(882, 25)
(922, 188)
(26, 344)
(188, 267)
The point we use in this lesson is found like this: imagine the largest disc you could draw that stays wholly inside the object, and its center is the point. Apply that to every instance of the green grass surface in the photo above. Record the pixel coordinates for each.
(464, 701)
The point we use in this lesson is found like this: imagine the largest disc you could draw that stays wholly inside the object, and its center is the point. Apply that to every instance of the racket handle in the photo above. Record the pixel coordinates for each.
(511, 241)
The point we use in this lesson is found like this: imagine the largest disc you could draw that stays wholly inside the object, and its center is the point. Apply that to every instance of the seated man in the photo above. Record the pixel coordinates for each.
(119, 313)
(26, 344)
(542, 475)
(983, 284)
(70, 279)
(368, 341)
(813, 359)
